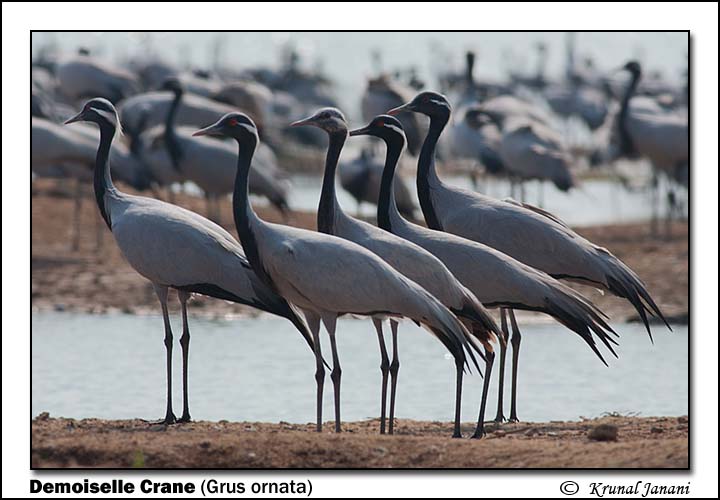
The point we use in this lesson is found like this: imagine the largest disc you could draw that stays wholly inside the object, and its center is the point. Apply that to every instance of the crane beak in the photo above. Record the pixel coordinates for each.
(213, 129)
(400, 109)
(77, 118)
(360, 131)
(301, 123)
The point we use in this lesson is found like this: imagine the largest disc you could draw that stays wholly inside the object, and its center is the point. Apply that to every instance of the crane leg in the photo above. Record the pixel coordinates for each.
(480, 429)
(216, 202)
(99, 232)
(515, 341)
(77, 209)
(671, 210)
(314, 325)
(500, 416)
(654, 200)
(394, 369)
(185, 344)
(210, 207)
(459, 364)
(384, 370)
(162, 293)
(330, 324)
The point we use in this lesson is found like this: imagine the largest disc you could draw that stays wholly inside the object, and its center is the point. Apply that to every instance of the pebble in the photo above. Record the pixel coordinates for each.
(604, 432)
(656, 430)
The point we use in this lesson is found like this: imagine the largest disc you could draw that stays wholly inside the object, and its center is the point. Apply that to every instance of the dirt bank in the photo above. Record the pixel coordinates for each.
(641, 442)
(90, 281)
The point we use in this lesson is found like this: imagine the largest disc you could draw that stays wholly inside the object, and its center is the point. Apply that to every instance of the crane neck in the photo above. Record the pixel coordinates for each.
(243, 213)
(626, 144)
(171, 139)
(427, 178)
(469, 70)
(102, 180)
(387, 206)
(540, 70)
(329, 208)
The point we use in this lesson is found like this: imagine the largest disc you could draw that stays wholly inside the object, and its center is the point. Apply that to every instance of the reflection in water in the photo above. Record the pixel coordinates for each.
(113, 366)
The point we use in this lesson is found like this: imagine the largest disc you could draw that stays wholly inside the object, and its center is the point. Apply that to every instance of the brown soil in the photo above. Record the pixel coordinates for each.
(89, 280)
(660, 442)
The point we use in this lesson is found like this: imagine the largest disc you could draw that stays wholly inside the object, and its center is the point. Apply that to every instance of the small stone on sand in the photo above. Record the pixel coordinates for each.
(604, 432)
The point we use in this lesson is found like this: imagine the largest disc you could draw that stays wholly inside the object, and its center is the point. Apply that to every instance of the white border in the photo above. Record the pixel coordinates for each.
(701, 19)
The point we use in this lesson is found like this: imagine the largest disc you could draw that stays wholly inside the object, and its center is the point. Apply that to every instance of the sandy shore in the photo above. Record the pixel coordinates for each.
(88, 280)
(660, 442)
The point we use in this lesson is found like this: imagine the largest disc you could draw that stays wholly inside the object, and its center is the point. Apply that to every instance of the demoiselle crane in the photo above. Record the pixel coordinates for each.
(646, 130)
(60, 152)
(405, 257)
(528, 149)
(175, 248)
(496, 279)
(361, 176)
(383, 93)
(526, 233)
(83, 76)
(173, 155)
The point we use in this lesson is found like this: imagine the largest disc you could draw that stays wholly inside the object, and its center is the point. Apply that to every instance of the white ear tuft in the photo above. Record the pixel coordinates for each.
(112, 118)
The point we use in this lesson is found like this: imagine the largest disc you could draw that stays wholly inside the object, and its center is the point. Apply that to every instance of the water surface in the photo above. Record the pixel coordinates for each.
(260, 369)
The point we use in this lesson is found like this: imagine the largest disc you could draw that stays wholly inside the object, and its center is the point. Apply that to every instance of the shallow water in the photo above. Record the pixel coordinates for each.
(112, 366)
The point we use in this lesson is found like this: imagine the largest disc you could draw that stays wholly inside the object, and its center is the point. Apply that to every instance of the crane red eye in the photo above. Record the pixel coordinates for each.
(379, 123)
(232, 122)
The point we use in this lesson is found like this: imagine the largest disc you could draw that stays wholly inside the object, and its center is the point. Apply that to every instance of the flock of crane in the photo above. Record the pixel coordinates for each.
(510, 130)
(474, 252)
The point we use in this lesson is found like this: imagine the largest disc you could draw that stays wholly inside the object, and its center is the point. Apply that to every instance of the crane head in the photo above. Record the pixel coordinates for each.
(385, 127)
(633, 67)
(428, 103)
(331, 120)
(100, 111)
(237, 125)
(173, 84)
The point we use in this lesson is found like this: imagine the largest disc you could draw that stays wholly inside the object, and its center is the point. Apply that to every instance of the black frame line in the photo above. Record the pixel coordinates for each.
(675, 471)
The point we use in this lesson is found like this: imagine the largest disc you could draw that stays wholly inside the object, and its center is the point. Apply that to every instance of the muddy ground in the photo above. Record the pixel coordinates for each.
(659, 442)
